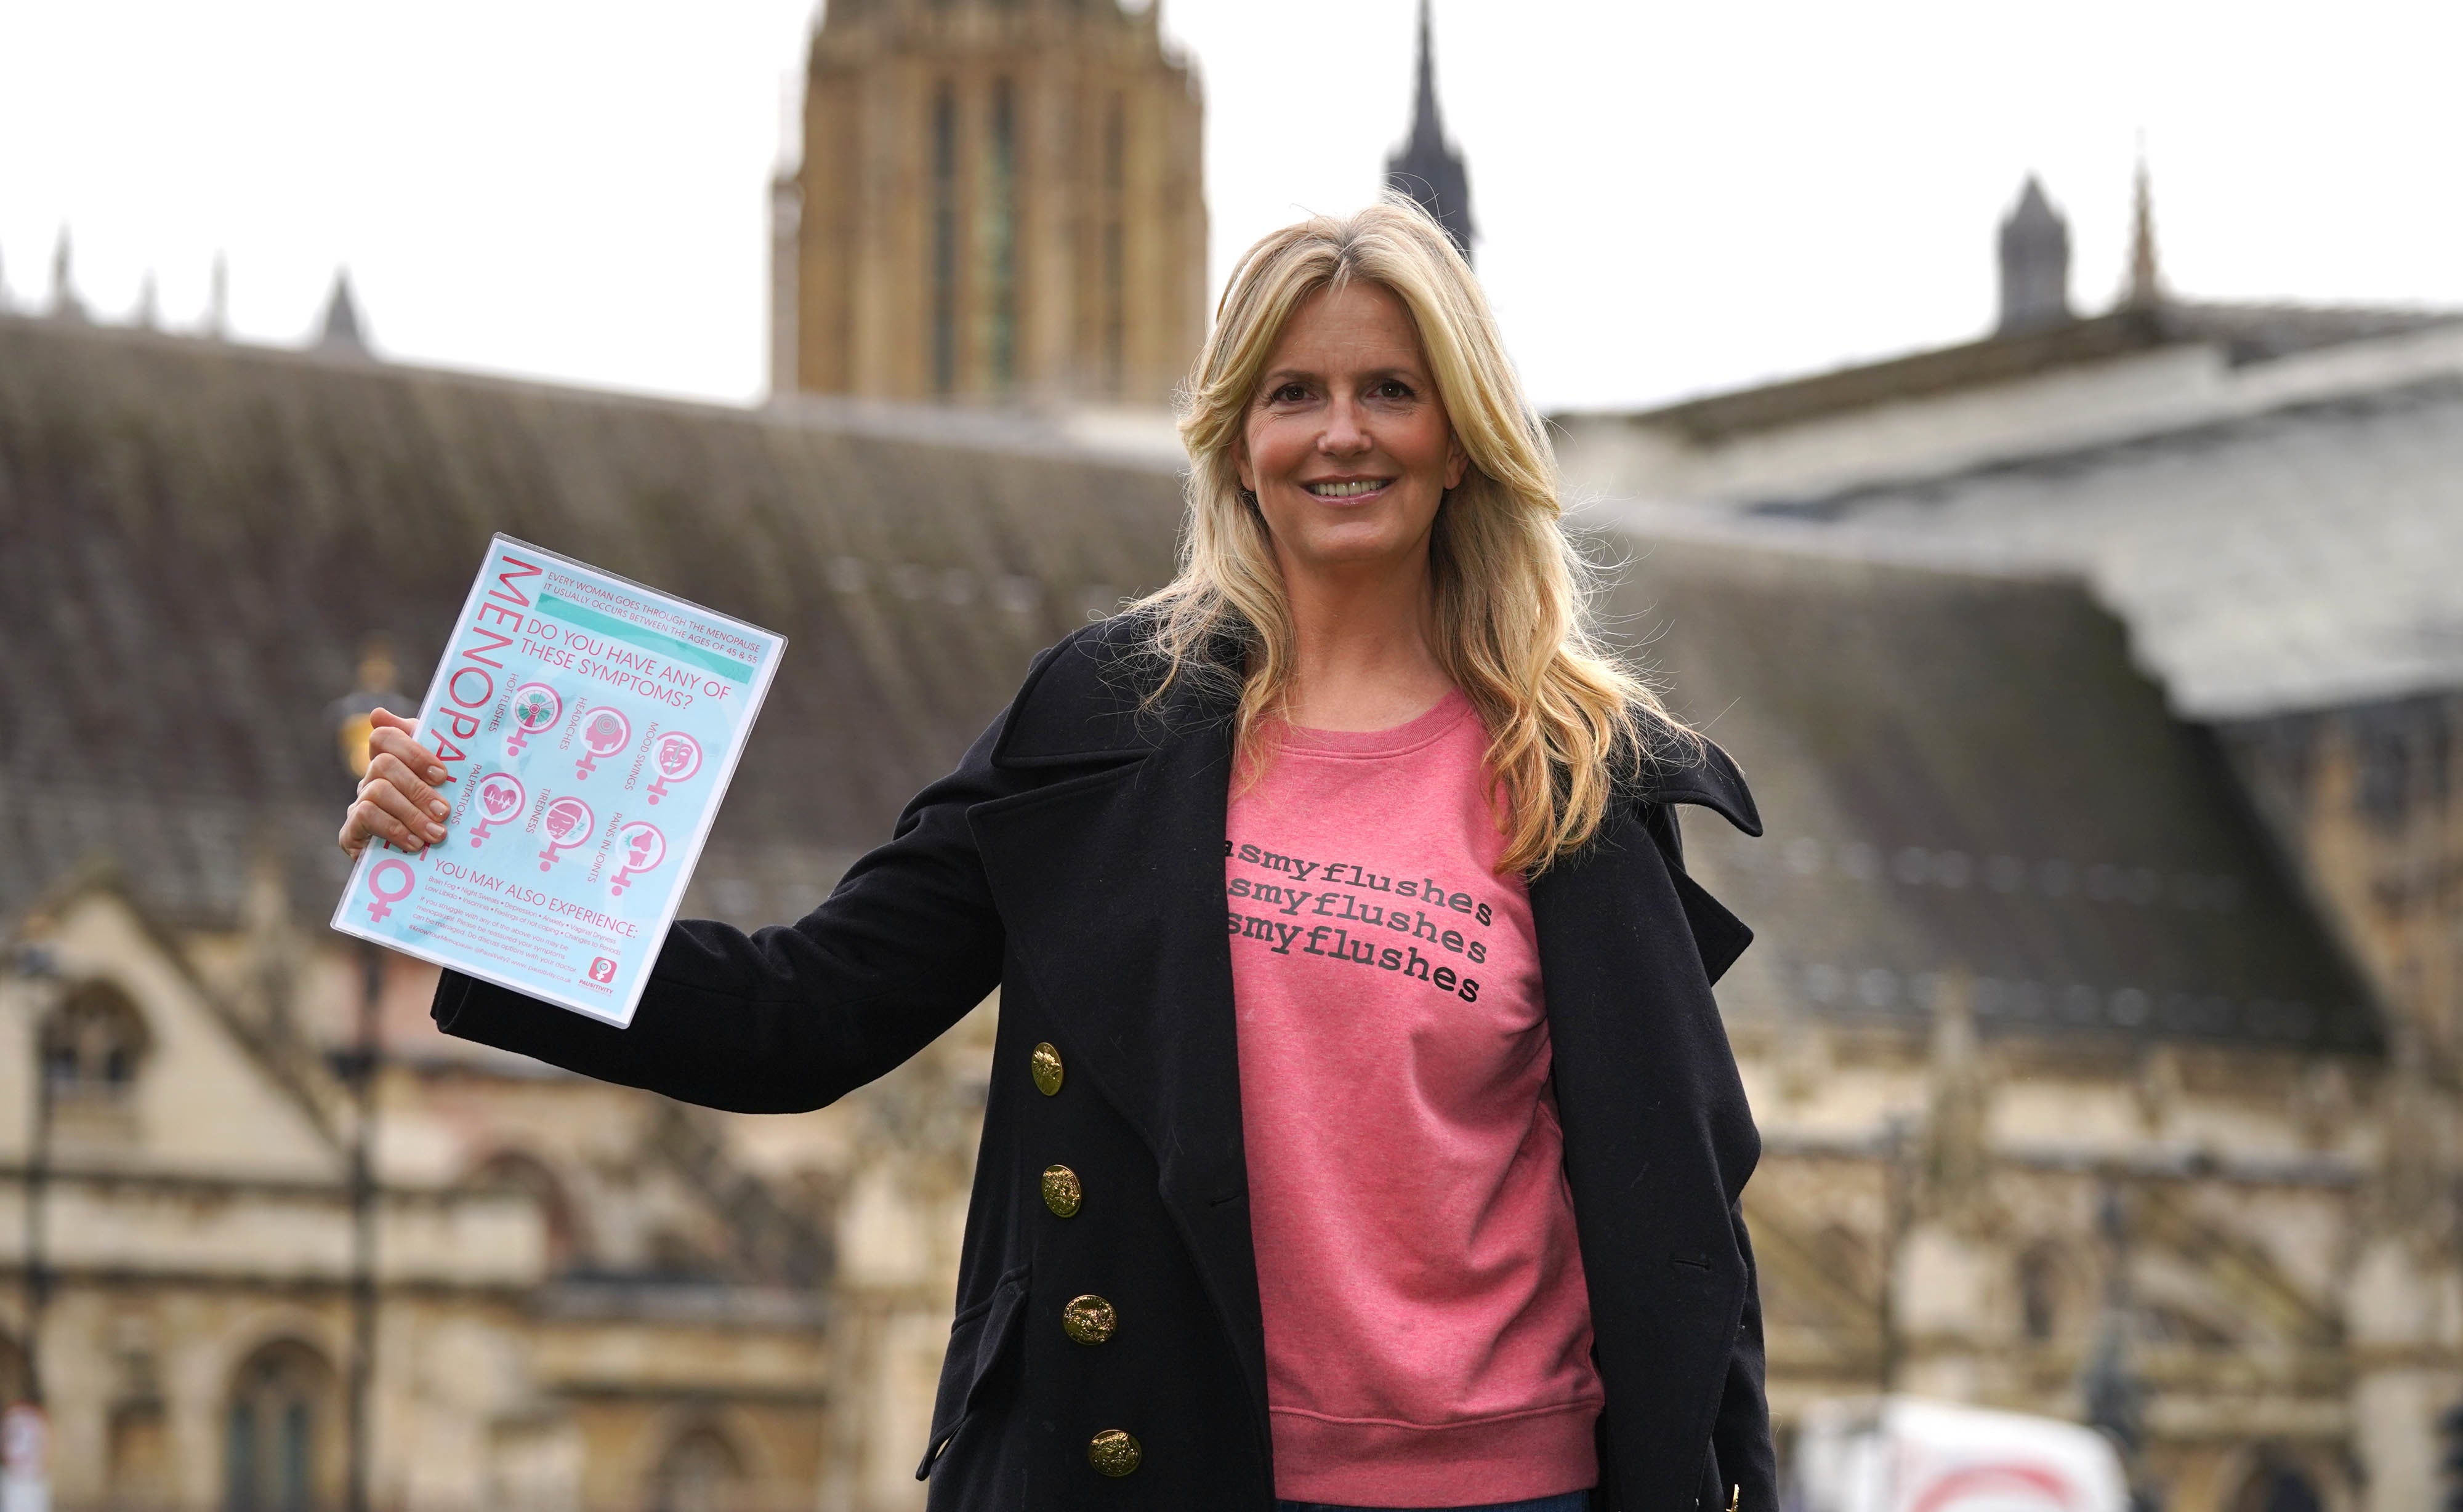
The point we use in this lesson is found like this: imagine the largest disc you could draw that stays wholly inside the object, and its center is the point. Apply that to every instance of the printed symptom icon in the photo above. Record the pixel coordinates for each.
(568, 822)
(498, 798)
(678, 756)
(389, 881)
(604, 732)
(537, 707)
(643, 847)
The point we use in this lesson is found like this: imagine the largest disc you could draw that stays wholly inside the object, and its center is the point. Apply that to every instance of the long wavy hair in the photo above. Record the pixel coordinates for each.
(1566, 719)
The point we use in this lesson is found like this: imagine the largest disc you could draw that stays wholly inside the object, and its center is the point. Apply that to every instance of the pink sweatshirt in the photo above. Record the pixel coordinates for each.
(1427, 1331)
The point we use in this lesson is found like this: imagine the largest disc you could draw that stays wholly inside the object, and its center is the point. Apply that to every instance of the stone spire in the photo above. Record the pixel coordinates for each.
(2146, 289)
(2034, 263)
(1428, 169)
(344, 334)
(65, 304)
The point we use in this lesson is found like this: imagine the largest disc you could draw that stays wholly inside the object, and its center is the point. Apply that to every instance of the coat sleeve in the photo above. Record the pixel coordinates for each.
(792, 1016)
(1740, 1436)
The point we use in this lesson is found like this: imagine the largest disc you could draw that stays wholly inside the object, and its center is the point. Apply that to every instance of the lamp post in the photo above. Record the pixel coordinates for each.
(25, 1485)
(352, 728)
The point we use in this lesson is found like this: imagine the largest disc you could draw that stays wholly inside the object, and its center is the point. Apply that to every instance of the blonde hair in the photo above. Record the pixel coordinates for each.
(1566, 722)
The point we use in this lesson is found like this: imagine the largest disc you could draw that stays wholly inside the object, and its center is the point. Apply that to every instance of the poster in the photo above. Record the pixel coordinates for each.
(588, 727)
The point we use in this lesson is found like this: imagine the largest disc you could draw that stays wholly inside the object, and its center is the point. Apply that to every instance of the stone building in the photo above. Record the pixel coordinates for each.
(586, 1297)
(995, 200)
(2082, 1093)
(2269, 499)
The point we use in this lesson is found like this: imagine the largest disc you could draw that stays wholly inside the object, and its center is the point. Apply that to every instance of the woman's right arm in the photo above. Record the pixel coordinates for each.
(782, 1020)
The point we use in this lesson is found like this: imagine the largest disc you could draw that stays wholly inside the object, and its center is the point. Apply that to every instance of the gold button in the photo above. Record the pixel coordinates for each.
(1113, 1453)
(1046, 1065)
(1089, 1319)
(1061, 1192)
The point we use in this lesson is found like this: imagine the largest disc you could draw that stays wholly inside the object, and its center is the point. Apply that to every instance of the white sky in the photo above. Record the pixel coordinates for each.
(1674, 196)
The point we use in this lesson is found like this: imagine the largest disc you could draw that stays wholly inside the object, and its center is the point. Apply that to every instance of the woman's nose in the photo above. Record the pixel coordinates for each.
(1343, 435)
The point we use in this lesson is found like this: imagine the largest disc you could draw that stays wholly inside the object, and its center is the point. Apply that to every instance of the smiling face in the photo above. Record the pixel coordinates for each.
(1346, 445)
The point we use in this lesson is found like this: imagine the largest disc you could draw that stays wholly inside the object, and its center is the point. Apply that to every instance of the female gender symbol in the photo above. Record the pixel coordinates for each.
(501, 796)
(678, 756)
(569, 823)
(604, 732)
(536, 706)
(644, 848)
(384, 900)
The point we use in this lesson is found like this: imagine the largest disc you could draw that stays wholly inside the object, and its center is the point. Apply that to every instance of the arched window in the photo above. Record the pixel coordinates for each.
(701, 1472)
(278, 1450)
(517, 1171)
(2043, 1291)
(2277, 1485)
(94, 1043)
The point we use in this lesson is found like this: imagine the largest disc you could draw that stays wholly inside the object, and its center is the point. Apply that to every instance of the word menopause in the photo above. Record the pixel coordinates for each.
(1342, 893)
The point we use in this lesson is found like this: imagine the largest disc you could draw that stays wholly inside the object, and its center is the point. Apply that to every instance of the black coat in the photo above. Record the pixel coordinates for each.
(1074, 860)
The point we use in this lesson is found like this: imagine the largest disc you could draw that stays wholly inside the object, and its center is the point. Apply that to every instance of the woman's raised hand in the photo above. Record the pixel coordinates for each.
(397, 800)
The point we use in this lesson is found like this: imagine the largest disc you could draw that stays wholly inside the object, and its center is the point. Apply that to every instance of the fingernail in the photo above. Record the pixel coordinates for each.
(436, 807)
(436, 831)
(436, 774)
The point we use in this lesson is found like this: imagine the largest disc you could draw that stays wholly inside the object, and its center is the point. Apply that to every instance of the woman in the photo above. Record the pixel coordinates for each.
(1362, 1131)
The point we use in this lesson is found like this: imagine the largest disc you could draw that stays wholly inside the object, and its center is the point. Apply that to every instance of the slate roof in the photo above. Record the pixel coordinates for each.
(195, 539)
(2245, 332)
(2295, 560)
(1965, 774)
(188, 534)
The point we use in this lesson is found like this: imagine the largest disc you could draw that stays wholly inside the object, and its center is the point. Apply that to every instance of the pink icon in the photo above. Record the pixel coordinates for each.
(679, 756)
(501, 796)
(569, 823)
(602, 970)
(604, 732)
(377, 873)
(537, 707)
(644, 848)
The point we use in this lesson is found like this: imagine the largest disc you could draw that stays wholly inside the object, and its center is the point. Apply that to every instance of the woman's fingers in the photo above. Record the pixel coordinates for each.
(423, 799)
(391, 736)
(372, 820)
(398, 799)
(422, 819)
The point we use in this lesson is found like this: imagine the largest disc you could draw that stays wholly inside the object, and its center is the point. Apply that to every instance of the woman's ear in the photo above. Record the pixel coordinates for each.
(1240, 466)
(1457, 463)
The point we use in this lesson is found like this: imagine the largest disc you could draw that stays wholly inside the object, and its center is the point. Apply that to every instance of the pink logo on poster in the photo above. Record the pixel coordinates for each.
(644, 848)
(604, 732)
(679, 757)
(602, 970)
(569, 823)
(537, 707)
(390, 873)
(500, 798)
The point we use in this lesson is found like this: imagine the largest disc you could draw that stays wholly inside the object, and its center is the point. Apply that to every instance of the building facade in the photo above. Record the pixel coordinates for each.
(2269, 499)
(998, 200)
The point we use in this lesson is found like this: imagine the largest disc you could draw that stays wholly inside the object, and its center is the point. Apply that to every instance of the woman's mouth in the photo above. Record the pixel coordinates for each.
(1352, 489)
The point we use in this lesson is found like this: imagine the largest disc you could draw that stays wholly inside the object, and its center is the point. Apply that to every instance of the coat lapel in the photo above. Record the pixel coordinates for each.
(1112, 886)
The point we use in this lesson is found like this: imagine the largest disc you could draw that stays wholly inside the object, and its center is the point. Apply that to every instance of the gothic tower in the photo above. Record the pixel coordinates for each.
(2034, 263)
(1428, 169)
(997, 198)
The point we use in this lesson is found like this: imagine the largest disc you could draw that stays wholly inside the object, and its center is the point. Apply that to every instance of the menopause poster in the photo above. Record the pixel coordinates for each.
(587, 727)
